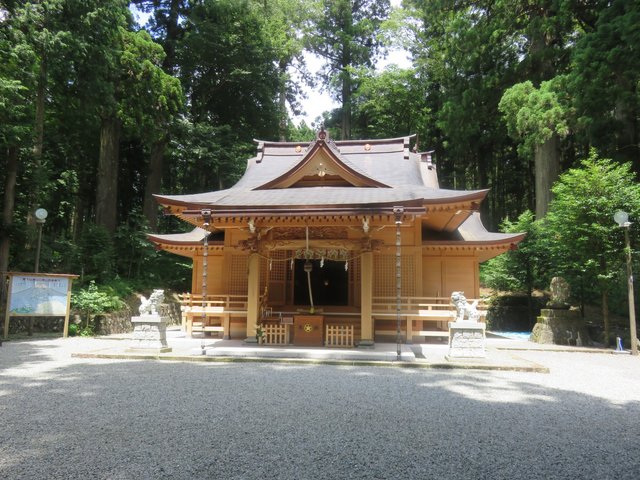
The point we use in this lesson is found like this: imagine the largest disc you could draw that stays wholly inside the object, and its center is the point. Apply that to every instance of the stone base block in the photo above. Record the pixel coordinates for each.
(149, 334)
(560, 327)
(365, 343)
(466, 340)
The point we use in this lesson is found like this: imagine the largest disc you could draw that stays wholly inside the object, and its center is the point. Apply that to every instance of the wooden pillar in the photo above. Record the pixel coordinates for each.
(226, 323)
(253, 297)
(366, 299)
(6, 313)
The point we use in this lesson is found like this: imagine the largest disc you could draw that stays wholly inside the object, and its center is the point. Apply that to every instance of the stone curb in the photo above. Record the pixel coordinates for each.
(304, 361)
(562, 350)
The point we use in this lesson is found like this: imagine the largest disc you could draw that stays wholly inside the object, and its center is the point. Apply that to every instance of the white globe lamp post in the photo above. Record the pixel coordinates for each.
(622, 219)
(41, 216)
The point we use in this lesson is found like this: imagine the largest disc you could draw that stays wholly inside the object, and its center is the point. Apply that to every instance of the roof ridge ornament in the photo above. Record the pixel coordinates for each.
(322, 133)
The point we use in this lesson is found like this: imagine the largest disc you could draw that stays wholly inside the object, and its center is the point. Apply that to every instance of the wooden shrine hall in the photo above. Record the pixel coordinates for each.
(331, 243)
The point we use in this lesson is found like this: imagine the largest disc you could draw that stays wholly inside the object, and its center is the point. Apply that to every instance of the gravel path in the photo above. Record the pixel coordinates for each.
(70, 418)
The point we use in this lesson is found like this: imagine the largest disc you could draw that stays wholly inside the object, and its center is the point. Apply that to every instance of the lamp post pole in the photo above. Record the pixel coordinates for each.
(41, 217)
(632, 305)
(622, 218)
(36, 268)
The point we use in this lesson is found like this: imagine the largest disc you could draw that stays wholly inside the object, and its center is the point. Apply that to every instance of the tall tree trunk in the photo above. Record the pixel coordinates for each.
(547, 155)
(282, 100)
(7, 220)
(38, 146)
(107, 187)
(346, 106)
(346, 76)
(153, 183)
(39, 117)
(547, 170)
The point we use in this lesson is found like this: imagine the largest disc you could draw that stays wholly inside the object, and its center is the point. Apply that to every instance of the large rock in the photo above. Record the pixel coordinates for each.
(560, 327)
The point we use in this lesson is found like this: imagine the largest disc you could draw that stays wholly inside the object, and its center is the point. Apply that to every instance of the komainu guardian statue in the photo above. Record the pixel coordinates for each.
(464, 308)
(152, 305)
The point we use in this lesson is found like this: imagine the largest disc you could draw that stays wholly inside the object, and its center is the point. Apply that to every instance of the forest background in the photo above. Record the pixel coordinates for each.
(97, 113)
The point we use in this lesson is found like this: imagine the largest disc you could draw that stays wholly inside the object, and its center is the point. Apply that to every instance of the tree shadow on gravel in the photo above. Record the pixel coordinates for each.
(142, 419)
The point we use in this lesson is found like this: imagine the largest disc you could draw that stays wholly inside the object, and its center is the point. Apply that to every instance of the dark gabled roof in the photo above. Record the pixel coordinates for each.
(472, 231)
(323, 157)
(321, 196)
(188, 238)
(380, 172)
(473, 234)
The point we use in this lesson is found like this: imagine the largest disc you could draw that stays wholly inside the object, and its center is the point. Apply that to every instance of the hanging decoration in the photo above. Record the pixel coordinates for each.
(335, 254)
(206, 216)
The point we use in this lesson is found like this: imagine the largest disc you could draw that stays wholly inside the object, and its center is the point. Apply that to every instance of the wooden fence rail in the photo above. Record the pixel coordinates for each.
(338, 336)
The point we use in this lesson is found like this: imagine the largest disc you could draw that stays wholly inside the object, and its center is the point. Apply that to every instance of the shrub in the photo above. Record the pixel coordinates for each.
(92, 301)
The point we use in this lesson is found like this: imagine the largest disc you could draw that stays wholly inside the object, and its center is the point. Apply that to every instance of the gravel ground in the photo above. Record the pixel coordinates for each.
(71, 418)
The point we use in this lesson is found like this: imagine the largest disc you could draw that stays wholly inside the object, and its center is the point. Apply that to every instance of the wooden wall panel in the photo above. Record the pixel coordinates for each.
(215, 277)
(459, 274)
(432, 277)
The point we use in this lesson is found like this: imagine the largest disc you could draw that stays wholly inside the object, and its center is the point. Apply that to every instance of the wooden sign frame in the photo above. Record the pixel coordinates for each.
(39, 299)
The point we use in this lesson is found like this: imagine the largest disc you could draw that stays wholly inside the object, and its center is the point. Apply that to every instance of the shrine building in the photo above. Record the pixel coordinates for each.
(331, 243)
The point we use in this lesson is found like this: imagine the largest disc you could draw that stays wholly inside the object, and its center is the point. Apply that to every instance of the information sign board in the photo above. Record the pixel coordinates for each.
(38, 295)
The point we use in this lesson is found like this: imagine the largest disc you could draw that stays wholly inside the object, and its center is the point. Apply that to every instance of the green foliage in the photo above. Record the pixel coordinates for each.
(385, 106)
(140, 266)
(533, 115)
(579, 230)
(604, 80)
(92, 301)
(205, 157)
(228, 68)
(97, 253)
(73, 329)
(13, 114)
(301, 133)
(345, 34)
(520, 269)
(95, 300)
(150, 97)
(578, 239)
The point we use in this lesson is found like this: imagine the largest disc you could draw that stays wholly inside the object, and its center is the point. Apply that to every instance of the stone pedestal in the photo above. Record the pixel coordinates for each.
(466, 340)
(560, 327)
(149, 334)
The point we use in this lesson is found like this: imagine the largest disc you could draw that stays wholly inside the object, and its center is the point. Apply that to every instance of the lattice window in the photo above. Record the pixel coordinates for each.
(384, 275)
(238, 275)
(274, 270)
(278, 266)
(264, 273)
